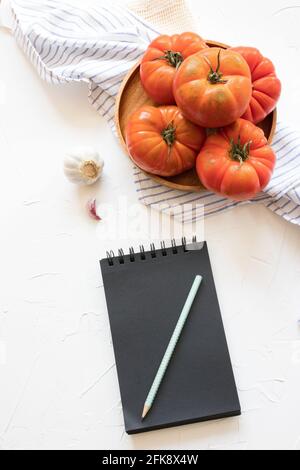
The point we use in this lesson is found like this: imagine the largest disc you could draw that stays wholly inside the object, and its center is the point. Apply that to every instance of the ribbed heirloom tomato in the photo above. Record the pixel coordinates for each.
(266, 85)
(213, 87)
(161, 60)
(236, 161)
(161, 141)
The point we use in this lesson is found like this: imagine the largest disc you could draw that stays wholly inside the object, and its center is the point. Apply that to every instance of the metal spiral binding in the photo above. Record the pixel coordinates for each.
(174, 247)
(153, 252)
(110, 256)
(131, 254)
(163, 249)
(184, 244)
(142, 251)
(121, 256)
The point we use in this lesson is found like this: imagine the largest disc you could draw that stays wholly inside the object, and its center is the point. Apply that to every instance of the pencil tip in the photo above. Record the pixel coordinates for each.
(145, 411)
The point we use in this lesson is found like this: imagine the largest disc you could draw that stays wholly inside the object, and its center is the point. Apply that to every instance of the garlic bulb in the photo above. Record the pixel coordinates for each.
(83, 165)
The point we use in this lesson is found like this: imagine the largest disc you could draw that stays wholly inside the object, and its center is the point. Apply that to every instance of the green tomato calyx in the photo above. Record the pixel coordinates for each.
(238, 152)
(174, 59)
(169, 134)
(215, 76)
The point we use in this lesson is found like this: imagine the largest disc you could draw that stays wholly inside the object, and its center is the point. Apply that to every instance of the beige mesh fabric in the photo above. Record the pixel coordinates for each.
(169, 16)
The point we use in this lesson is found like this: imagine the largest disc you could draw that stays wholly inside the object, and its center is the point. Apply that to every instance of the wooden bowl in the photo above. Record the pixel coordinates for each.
(132, 96)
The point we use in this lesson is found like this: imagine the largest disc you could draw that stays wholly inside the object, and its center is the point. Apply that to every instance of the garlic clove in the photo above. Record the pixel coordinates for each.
(92, 209)
(83, 165)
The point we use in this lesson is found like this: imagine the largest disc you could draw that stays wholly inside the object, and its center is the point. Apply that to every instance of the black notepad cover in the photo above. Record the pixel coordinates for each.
(145, 299)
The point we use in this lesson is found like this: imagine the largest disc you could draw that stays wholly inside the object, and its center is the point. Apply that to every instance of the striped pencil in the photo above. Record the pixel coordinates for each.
(171, 347)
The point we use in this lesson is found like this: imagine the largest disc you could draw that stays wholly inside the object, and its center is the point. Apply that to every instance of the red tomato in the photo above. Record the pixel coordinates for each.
(161, 60)
(236, 161)
(266, 86)
(161, 141)
(213, 87)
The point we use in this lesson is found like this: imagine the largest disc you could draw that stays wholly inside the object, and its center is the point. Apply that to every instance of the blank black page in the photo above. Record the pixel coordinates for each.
(145, 299)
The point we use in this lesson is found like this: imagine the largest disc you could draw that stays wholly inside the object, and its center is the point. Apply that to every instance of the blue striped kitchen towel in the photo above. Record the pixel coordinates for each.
(98, 44)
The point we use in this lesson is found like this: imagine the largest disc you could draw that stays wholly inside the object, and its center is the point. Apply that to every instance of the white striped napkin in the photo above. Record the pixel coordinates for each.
(98, 45)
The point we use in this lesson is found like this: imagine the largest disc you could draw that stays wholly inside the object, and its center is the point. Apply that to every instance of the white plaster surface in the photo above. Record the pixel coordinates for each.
(58, 384)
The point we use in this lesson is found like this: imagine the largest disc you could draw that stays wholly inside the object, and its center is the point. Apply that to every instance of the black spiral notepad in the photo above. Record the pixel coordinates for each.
(145, 293)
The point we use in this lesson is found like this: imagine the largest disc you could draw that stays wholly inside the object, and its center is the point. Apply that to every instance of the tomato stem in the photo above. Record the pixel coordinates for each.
(174, 59)
(215, 76)
(169, 134)
(239, 152)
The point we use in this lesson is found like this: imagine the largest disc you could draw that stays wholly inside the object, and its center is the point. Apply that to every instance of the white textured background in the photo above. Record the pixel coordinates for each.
(58, 385)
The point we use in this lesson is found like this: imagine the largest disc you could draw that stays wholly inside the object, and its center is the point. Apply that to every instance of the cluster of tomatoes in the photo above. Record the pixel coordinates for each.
(208, 101)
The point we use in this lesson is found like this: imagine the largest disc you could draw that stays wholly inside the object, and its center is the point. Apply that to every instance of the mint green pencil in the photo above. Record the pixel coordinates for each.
(172, 344)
